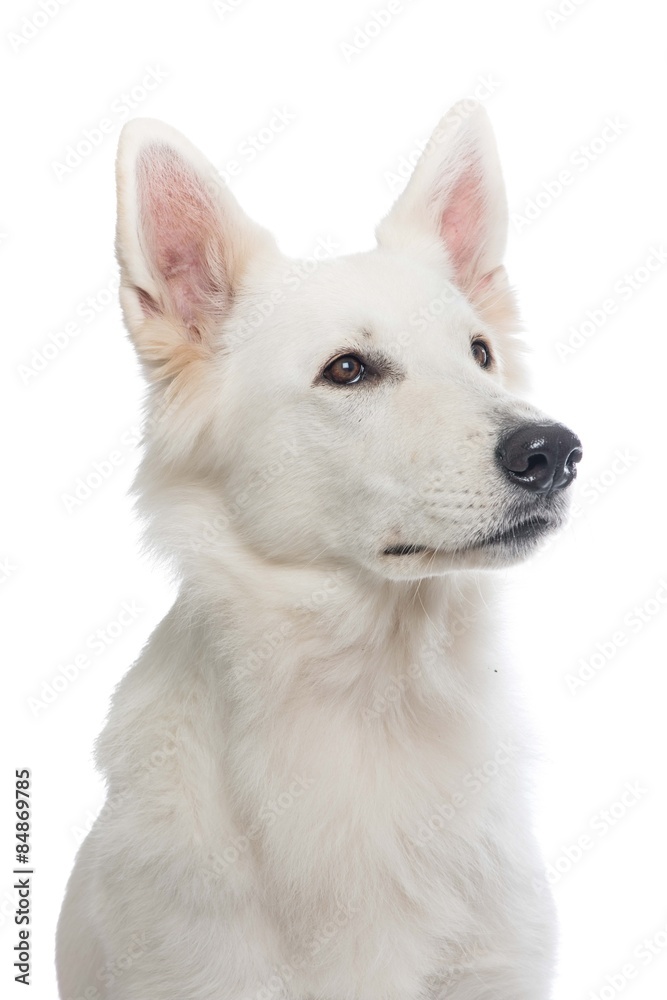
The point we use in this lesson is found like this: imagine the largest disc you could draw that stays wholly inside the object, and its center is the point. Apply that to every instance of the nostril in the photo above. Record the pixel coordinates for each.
(535, 461)
(522, 462)
(519, 462)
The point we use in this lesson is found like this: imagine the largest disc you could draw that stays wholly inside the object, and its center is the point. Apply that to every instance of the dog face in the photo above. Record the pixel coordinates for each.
(363, 413)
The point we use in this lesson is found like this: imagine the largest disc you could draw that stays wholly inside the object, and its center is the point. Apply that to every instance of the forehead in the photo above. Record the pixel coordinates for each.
(380, 295)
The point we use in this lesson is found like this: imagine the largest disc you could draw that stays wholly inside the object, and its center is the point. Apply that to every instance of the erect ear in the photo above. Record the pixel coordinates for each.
(183, 245)
(456, 199)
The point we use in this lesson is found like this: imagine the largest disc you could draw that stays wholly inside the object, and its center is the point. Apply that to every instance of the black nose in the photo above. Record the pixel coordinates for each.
(540, 457)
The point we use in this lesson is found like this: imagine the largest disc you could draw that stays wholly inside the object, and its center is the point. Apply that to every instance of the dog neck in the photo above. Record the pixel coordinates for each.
(338, 632)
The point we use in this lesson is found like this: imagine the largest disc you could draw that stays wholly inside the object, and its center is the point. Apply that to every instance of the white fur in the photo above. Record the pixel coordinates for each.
(316, 769)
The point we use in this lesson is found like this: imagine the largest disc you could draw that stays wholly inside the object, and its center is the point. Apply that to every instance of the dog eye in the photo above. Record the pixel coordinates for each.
(481, 352)
(345, 370)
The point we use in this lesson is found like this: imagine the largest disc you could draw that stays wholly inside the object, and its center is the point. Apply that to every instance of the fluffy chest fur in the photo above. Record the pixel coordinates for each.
(335, 784)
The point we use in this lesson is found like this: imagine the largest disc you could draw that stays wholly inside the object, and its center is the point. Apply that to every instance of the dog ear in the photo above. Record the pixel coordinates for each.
(455, 200)
(183, 245)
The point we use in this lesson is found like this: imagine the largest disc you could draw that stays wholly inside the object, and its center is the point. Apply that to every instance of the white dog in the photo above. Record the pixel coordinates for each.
(315, 769)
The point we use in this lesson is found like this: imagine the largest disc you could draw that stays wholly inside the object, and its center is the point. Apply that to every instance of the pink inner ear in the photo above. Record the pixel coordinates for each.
(461, 225)
(180, 234)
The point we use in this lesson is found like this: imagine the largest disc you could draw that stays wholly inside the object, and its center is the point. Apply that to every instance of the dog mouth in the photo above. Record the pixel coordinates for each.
(516, 535)
(407, 550)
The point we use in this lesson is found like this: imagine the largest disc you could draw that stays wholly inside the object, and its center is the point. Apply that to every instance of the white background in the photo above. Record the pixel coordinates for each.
(358, 105)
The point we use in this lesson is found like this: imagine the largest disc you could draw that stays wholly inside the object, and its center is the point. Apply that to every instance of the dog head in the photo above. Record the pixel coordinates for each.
(361, 410)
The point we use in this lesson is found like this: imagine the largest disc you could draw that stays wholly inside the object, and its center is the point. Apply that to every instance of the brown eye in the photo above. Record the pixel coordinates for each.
(481, 353)
(345, 370)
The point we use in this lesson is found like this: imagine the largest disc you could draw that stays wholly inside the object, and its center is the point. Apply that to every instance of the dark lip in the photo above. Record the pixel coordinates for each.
(407, 550)
(520, 532)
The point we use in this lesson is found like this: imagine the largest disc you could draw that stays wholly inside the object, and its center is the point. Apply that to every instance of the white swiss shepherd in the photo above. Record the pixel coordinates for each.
(316, 769)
